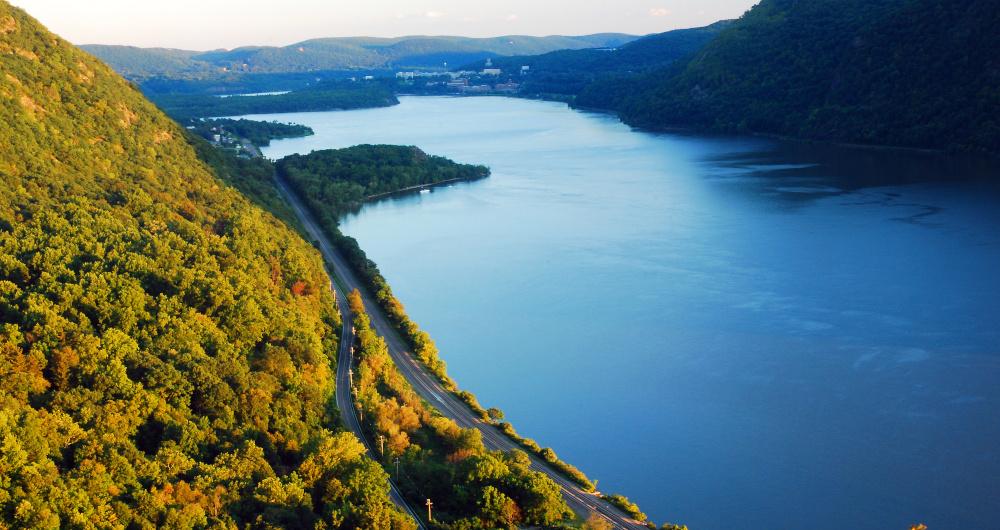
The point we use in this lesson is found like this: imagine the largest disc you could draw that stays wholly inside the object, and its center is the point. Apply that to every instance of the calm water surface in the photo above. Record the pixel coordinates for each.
(736, 333)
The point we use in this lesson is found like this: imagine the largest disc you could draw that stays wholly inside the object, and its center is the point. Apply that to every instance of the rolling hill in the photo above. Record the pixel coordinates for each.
(338, 54)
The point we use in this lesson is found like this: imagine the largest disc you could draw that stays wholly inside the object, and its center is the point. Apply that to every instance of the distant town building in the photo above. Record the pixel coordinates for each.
(369, 77)
(492, 71)
(524, 69)
(412, 75)
(475, 89)
(458, 83)
(507, 87)
(489, 63)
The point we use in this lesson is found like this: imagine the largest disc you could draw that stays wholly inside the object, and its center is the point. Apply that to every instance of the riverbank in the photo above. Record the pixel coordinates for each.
(439, 393)
(652, 297)
(418, 187)
(694, 130)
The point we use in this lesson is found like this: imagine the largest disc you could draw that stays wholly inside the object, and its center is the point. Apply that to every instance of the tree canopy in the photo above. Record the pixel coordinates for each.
(915, 73)
(339, 180)
(166, 346)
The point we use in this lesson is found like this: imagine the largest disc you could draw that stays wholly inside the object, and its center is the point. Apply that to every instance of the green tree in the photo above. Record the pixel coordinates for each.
(497, 509)
(496, 415)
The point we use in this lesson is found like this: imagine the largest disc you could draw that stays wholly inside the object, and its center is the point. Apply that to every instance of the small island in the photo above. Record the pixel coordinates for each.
(336, 181)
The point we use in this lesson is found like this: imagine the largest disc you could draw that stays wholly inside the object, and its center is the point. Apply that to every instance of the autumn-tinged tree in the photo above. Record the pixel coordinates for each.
(167, 348)
(496, 415)
(596, 522)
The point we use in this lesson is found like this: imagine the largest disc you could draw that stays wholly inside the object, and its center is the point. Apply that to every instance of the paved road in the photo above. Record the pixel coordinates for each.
(423, 382)
(345, 402)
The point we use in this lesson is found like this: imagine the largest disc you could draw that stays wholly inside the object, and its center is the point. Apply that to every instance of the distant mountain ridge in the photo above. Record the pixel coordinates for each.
(338, 53)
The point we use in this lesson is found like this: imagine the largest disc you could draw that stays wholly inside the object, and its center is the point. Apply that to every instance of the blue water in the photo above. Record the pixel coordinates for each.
(734, 332)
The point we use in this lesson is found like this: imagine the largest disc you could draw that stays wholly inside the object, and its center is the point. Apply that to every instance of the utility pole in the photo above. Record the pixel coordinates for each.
(381, 444)
(350, 376)
(397, 469)
(429, 504)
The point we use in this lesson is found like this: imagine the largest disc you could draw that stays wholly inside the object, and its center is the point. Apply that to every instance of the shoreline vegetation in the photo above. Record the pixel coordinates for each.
(258, 133)
(431, 454)
(336, 181)
(320, 179)
(327, 96)
(393, 168)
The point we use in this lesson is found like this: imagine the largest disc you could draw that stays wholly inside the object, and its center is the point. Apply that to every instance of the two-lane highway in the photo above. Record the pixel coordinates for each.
(345, 401)
(423, 382)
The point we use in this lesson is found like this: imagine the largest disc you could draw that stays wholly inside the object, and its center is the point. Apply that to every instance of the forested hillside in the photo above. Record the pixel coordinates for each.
(917, 73)
(166, 347)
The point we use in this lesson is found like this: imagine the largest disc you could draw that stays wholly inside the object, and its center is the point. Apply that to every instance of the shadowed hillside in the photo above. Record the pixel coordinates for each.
(916, 73)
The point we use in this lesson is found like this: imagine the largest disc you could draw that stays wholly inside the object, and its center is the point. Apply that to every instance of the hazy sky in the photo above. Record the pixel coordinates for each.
(210, 24)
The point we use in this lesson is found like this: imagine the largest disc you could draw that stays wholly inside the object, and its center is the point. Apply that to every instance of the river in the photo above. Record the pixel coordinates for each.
(734, 332)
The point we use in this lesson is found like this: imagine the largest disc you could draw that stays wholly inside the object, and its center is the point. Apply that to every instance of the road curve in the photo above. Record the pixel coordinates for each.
(346, 404)
(345, 401)
(426, 384)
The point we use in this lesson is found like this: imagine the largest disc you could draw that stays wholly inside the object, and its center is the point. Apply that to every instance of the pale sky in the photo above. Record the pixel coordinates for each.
(211, 24)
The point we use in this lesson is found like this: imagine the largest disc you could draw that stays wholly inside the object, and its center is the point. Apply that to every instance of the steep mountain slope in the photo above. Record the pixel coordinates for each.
(919, 73)
(569, 72)
(339, 53)
(166, 348)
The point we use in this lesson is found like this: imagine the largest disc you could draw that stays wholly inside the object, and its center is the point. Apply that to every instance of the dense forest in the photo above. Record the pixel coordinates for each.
(567, 73)
(916, 73)
(166, 347)
(334, 95)
(339, 180)
(253, 177)
(260, 133)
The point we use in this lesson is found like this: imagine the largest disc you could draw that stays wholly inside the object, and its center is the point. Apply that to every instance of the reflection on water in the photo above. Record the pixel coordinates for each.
(737, 333)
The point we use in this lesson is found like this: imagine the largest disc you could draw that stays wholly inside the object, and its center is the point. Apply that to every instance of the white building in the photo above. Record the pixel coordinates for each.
(492, 71)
